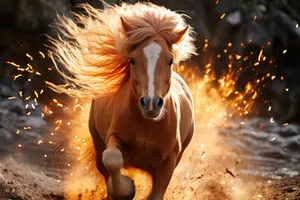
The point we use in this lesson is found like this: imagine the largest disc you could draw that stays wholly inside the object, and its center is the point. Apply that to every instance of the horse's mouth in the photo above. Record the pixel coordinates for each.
(151, 114)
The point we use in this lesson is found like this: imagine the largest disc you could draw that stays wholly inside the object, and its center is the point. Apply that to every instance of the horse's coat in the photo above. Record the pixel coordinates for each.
(142, 111)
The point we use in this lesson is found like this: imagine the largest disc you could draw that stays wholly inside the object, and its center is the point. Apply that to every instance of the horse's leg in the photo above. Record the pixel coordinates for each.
(119, 187)
(99, 145)
(161, 178)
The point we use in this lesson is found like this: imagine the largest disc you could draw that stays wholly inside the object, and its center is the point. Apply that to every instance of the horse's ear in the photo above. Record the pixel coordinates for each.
(125, 25)
(180, 35)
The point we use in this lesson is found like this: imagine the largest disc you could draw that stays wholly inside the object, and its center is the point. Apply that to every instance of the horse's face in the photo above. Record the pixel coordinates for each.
(151, 70)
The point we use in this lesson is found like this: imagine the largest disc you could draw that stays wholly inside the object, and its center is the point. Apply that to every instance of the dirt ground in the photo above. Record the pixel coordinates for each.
(207, 172)
(19, 182)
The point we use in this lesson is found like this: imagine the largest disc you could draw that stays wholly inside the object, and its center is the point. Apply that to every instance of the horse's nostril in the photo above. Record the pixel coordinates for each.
(160, 103)
(143, 102)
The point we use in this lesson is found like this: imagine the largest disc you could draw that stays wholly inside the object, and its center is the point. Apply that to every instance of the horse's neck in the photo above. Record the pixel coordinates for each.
(127, 98)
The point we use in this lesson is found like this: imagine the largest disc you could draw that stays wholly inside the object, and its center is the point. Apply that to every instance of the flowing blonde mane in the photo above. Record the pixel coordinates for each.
(95, 46)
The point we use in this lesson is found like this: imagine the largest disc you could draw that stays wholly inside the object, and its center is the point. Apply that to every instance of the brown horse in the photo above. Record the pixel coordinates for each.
(142, 111)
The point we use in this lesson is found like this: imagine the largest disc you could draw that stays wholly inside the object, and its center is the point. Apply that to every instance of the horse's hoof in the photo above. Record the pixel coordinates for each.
(112, 159)
(122, 195)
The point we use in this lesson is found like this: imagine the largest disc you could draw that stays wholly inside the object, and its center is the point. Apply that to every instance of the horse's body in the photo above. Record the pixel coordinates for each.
(143, 117)
(145, 143)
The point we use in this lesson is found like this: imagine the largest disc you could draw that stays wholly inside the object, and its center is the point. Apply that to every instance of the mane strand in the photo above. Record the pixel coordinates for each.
(94, 47)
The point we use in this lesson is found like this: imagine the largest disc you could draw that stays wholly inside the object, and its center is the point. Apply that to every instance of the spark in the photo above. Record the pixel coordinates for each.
(238, 56)
(40, 142)
(13, 97)
(29, 56)
(42, 54)
(270, 108)
(18, 132)
(45, 155)
(13, 64)
(17, 76)
(223, 15)
(36, 94)
(254, 95)
(272, 120)
(285, 124)
(274, 138)
(27, 128)
(284, 51)
(19, 145)
(260, 55)
(27, 98)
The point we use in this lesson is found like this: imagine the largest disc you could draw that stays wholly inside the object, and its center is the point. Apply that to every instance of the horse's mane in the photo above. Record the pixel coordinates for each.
(95, 46)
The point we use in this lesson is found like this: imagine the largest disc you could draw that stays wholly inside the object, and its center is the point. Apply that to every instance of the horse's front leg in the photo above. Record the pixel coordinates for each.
(118, 186)
(161, 177)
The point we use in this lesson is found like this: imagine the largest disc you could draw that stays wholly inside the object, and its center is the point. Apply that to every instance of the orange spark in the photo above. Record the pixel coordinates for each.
(29, 56)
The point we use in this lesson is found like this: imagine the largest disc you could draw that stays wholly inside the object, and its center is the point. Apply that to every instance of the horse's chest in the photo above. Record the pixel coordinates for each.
(146, 150)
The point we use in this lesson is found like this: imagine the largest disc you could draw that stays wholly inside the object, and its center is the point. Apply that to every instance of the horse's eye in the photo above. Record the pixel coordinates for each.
(171, 62)
(131, 61)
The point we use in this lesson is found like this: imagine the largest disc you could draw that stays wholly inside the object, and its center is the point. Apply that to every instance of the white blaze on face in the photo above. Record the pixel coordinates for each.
(152, 52)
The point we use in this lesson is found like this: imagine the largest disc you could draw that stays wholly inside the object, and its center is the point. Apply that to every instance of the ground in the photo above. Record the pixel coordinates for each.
(207, 172)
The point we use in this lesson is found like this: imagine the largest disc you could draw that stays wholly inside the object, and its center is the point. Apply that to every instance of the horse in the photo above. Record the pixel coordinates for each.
(123, 57)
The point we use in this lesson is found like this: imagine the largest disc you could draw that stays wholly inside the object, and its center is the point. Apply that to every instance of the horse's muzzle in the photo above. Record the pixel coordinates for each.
(151, 107)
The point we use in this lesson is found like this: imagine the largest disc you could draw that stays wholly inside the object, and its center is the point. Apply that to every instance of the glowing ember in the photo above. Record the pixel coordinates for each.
(223, 15)
(29, 56)
(285, 124)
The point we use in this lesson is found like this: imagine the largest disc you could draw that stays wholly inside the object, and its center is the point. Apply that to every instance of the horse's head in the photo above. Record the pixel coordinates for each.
(151, 64)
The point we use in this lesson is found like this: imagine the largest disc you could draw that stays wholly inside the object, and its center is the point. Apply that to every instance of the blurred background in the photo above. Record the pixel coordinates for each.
(253, 45)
